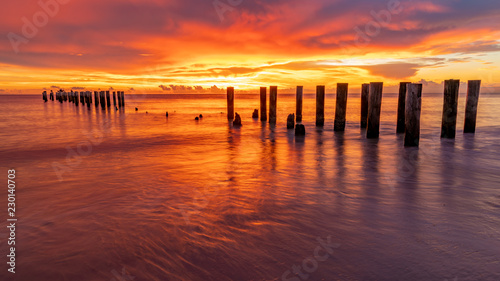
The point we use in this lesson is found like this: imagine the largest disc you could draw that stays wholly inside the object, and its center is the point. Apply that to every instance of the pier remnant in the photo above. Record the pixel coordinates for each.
(400, 127)
(298, 103)
(374, 105)
(263, 104)
(300, 130)
(320, 106)
(413, 106)
(255, 114)
(230, 103)
(237, 120)
(450, 108)
(123, 98)
(473, 89)
(273, 100)
(114, 98)
(108, 100)
(341, 107)
(290, 122)
(365, 92)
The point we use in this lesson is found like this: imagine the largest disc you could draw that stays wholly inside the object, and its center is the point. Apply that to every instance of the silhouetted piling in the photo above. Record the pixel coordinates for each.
(230, 103)
(44, 96)
(374, 104)
(123, 98)
(341, 108)
(300, 130)
(51, 96)
(413, 105)
(114, 98)
(450, 108)
(273, 100)
(237, 120)
(320, 106)
(102, 99)
(96, 99)
(119, 98)
(290, 122)
(365, 92)
(108, 100)
(400, 127)
(76, 100)
(255, 114)
(263, 103)
(298, 103)
(473, 89)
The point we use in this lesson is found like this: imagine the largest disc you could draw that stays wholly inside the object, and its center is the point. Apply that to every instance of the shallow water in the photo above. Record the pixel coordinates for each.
(125, 195)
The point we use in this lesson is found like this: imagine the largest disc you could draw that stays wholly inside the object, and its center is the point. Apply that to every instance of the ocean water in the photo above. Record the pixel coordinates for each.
(129, 195)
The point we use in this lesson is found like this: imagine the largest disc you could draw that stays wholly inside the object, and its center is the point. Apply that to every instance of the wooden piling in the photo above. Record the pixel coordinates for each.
(263, 103)
(374, 105)
(473, 89)
(400, 127)
(341, 107)
(102, 99)
(365, 91)
(96, 99)
(450, 108)
(413, 106)
(76, 100)
(44, 96)
(114, 98)
(298, 103)
(320, 106)
(51, 95)
(273, 100)
(230, 103)
(108, 100)
(123, 98)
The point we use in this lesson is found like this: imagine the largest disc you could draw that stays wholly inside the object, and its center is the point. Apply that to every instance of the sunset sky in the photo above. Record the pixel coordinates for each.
(205, 45)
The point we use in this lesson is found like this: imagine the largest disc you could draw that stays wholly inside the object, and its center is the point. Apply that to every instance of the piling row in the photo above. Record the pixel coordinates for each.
(77, 98)
(408, 111)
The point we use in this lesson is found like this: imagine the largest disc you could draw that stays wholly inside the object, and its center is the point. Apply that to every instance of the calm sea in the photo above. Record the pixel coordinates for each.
(129, 195)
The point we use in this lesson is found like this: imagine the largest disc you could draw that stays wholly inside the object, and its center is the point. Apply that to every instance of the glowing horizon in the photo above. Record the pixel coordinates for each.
(173, 46)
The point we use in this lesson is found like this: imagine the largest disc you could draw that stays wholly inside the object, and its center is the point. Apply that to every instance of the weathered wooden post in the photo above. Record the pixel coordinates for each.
(413, 106)
(341, 107)
(123, 98)
(298, 103)
(114, 98)
(450, 108)
(119, 98)
(263, 103)
(108, 100)
(82, 97)
(320, 106)
(102, 99)
(374, 104)
(96, 99)
(51, 95)
(365, 92)
(473, 89)
(44, 96)
(400, 127)
(230, 103)
(273, 103)
(75, 98)
(290, 121)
